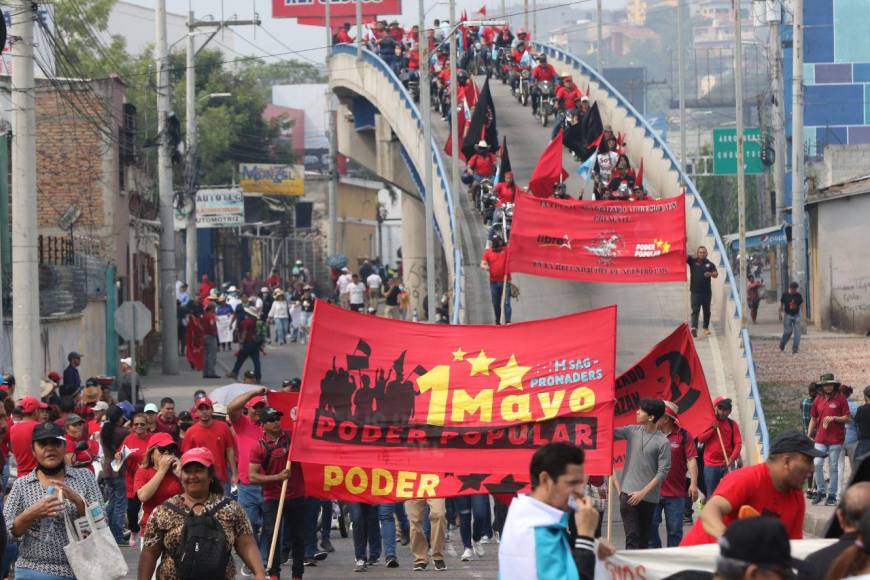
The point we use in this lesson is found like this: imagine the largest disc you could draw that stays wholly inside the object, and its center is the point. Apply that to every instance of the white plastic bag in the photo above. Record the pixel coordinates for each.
(98, 556)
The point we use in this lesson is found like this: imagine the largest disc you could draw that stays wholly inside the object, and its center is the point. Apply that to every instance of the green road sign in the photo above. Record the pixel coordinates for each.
(725, 151)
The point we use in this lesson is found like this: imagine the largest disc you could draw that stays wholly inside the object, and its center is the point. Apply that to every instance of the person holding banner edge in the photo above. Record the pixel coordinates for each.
(494, 261)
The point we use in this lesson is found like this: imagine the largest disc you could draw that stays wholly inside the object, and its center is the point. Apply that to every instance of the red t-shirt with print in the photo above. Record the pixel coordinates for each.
(835, 406)
(753, 486)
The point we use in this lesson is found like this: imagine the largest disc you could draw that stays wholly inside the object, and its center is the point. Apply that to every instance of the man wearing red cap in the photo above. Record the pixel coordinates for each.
(244, 415)
(21, 434)
(724, 432)
(217, 438)
(684, 460)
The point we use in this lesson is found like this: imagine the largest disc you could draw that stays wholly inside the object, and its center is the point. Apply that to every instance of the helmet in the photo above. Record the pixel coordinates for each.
(461, 73)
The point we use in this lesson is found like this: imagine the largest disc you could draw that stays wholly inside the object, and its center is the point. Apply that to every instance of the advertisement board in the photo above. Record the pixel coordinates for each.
(272, 179)
(215, 208)
(338, 9)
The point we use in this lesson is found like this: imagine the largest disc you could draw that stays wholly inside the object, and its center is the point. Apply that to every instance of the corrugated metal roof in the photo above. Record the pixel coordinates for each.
(848, 188)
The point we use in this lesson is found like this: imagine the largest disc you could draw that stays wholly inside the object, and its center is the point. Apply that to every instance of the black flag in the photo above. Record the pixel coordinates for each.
(505, 164)
(482, 125)
(357, 362)
(592, 128)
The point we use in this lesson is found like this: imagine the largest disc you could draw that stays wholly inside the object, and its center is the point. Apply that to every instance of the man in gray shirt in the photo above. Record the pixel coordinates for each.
(647, 462)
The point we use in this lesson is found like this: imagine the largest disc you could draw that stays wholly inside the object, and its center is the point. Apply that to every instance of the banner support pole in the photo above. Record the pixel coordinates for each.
(609, 508)
(504, 283)
(278, 519)
(724, 451)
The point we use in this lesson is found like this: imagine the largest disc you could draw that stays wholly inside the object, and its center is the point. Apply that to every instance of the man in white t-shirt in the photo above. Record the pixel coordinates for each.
(356, 293)
(373, 282)
(342, 286)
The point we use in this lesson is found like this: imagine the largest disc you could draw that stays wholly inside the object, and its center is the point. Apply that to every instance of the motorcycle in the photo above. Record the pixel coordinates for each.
(486, 199)
(546, 101)
(501, 222)
(523, 86)
(503, 69)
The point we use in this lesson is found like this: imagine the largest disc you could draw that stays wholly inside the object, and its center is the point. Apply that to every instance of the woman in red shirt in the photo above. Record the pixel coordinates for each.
(79, 453)
(157, 479)
(137, 442)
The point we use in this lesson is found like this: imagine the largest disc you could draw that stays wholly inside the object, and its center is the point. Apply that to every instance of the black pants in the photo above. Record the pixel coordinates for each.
(294, 533)
(637, 521)
(701, 300)
(133, 505)
(249, 350)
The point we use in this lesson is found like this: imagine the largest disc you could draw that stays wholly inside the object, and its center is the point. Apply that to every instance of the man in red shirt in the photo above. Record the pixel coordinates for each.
(210, 340)
(568, 94)
(684, 461)
(166, 421)
(723, 432)
(773, 488)
(244, 415)
(544, 71)
(482, 164)
(506, 190)
(828, 419)
(269, 469)
(21, 434)
(343, 37)
(216, 437)
(495, 262)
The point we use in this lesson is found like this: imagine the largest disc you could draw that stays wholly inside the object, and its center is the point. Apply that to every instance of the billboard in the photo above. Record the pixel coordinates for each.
(215, 208)
(272, 179)
(313, 10)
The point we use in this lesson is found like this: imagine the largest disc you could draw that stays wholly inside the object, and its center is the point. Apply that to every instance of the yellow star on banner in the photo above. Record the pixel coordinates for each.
(459, 354)
(666, 247)
(511, 375)
(480, 364)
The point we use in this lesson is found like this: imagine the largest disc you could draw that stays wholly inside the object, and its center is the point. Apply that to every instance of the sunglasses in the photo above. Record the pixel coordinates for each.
(140, 424)
(271, 419)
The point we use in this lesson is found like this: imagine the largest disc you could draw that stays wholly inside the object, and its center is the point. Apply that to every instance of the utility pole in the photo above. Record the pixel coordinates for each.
(798, 250)
(191, 248)
(26, 350)
(681, 81)
(359, 38)
(426, 111)
(525, 14)
(503, 11)
(779, 146)
(454, 117)
(168, 312)
(535, 20)
(741, 167)
(599, 58)
(331, 192)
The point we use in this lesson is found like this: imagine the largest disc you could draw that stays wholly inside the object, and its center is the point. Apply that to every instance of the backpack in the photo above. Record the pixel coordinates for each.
(204, 551)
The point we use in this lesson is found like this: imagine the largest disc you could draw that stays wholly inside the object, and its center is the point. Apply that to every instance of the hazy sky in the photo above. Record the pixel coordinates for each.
(310, 39)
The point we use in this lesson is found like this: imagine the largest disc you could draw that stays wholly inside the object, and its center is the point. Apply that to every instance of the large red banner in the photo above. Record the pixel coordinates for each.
(671, 371)
(338, 9)
(442, 399)
(599, 241)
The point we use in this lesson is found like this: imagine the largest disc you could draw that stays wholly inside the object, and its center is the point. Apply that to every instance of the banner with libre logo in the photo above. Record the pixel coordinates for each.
(671, 371)
(414, 400)
(599, 241)
(339, 10)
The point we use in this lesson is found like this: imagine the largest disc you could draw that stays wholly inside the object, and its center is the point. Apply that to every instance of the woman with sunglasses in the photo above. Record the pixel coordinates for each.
(157, 479)
(137, 443)
(79, 453)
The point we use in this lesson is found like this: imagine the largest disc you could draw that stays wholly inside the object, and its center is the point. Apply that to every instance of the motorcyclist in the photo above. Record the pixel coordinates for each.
(517, 64)
(543, 71)
(568, 97)
(504, 39)
(522, 37)
(506, 191)
(465, 90)
(480, 166)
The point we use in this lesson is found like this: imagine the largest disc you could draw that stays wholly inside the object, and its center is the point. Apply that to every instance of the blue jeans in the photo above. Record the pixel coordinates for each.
(318, 516)
(116, 506)
(402, 516)
(386, 515)
(833, 457)
(496, 290)
(282, 328)
(477, 507)
(366, 531)
(251, 500)
(27, 574)
(673, 508)
(791, 325)
(712, 476)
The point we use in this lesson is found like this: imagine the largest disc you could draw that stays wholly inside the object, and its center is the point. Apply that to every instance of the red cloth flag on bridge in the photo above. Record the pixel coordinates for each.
(599, 241)
(460, 127)
(474, 400)
(482, 10)
(671, 371)
(549, 170)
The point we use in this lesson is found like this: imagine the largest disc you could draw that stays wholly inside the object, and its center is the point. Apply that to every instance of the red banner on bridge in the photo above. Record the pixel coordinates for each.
(671, 371)
(339, 10)
(430, 398)
(599, 241)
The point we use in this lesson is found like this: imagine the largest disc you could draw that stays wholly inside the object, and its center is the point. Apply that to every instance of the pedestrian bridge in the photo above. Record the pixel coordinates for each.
(380, 126)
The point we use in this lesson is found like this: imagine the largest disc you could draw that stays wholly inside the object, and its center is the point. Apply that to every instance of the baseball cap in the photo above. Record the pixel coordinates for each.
(30, 405)
(160, 440)
(72, 419)
(127, 361)
(55, 376)
(47, 432)
(255, 401)
(128, 409)
(762, 541)
(200, 455)
(722, 402)
(73, 355)
(204, 402)
(150, 408)
(270, 414)
(795, 442)
(101, 406)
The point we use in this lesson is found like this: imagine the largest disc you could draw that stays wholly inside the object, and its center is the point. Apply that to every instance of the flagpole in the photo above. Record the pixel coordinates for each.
(505, 281)
(724, 451)
(278, 517)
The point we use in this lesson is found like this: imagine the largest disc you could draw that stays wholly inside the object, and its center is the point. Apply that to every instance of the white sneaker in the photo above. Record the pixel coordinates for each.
(466, 555)
(497, 538)
(478, 549)
(484, 539)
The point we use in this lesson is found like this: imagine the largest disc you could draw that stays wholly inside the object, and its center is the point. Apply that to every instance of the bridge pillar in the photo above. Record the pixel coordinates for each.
(414, 252)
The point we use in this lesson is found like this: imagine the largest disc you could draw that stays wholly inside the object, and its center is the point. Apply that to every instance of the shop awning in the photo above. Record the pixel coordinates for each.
(762, 239)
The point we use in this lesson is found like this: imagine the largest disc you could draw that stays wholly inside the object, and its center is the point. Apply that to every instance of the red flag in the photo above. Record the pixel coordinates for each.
(597, 143)
(471, 399)
(464, 16)
(549, 170)
(671, 371)
(287, 404)
(460, 126)
(638, 180)
(599, 241)
(482, 10)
